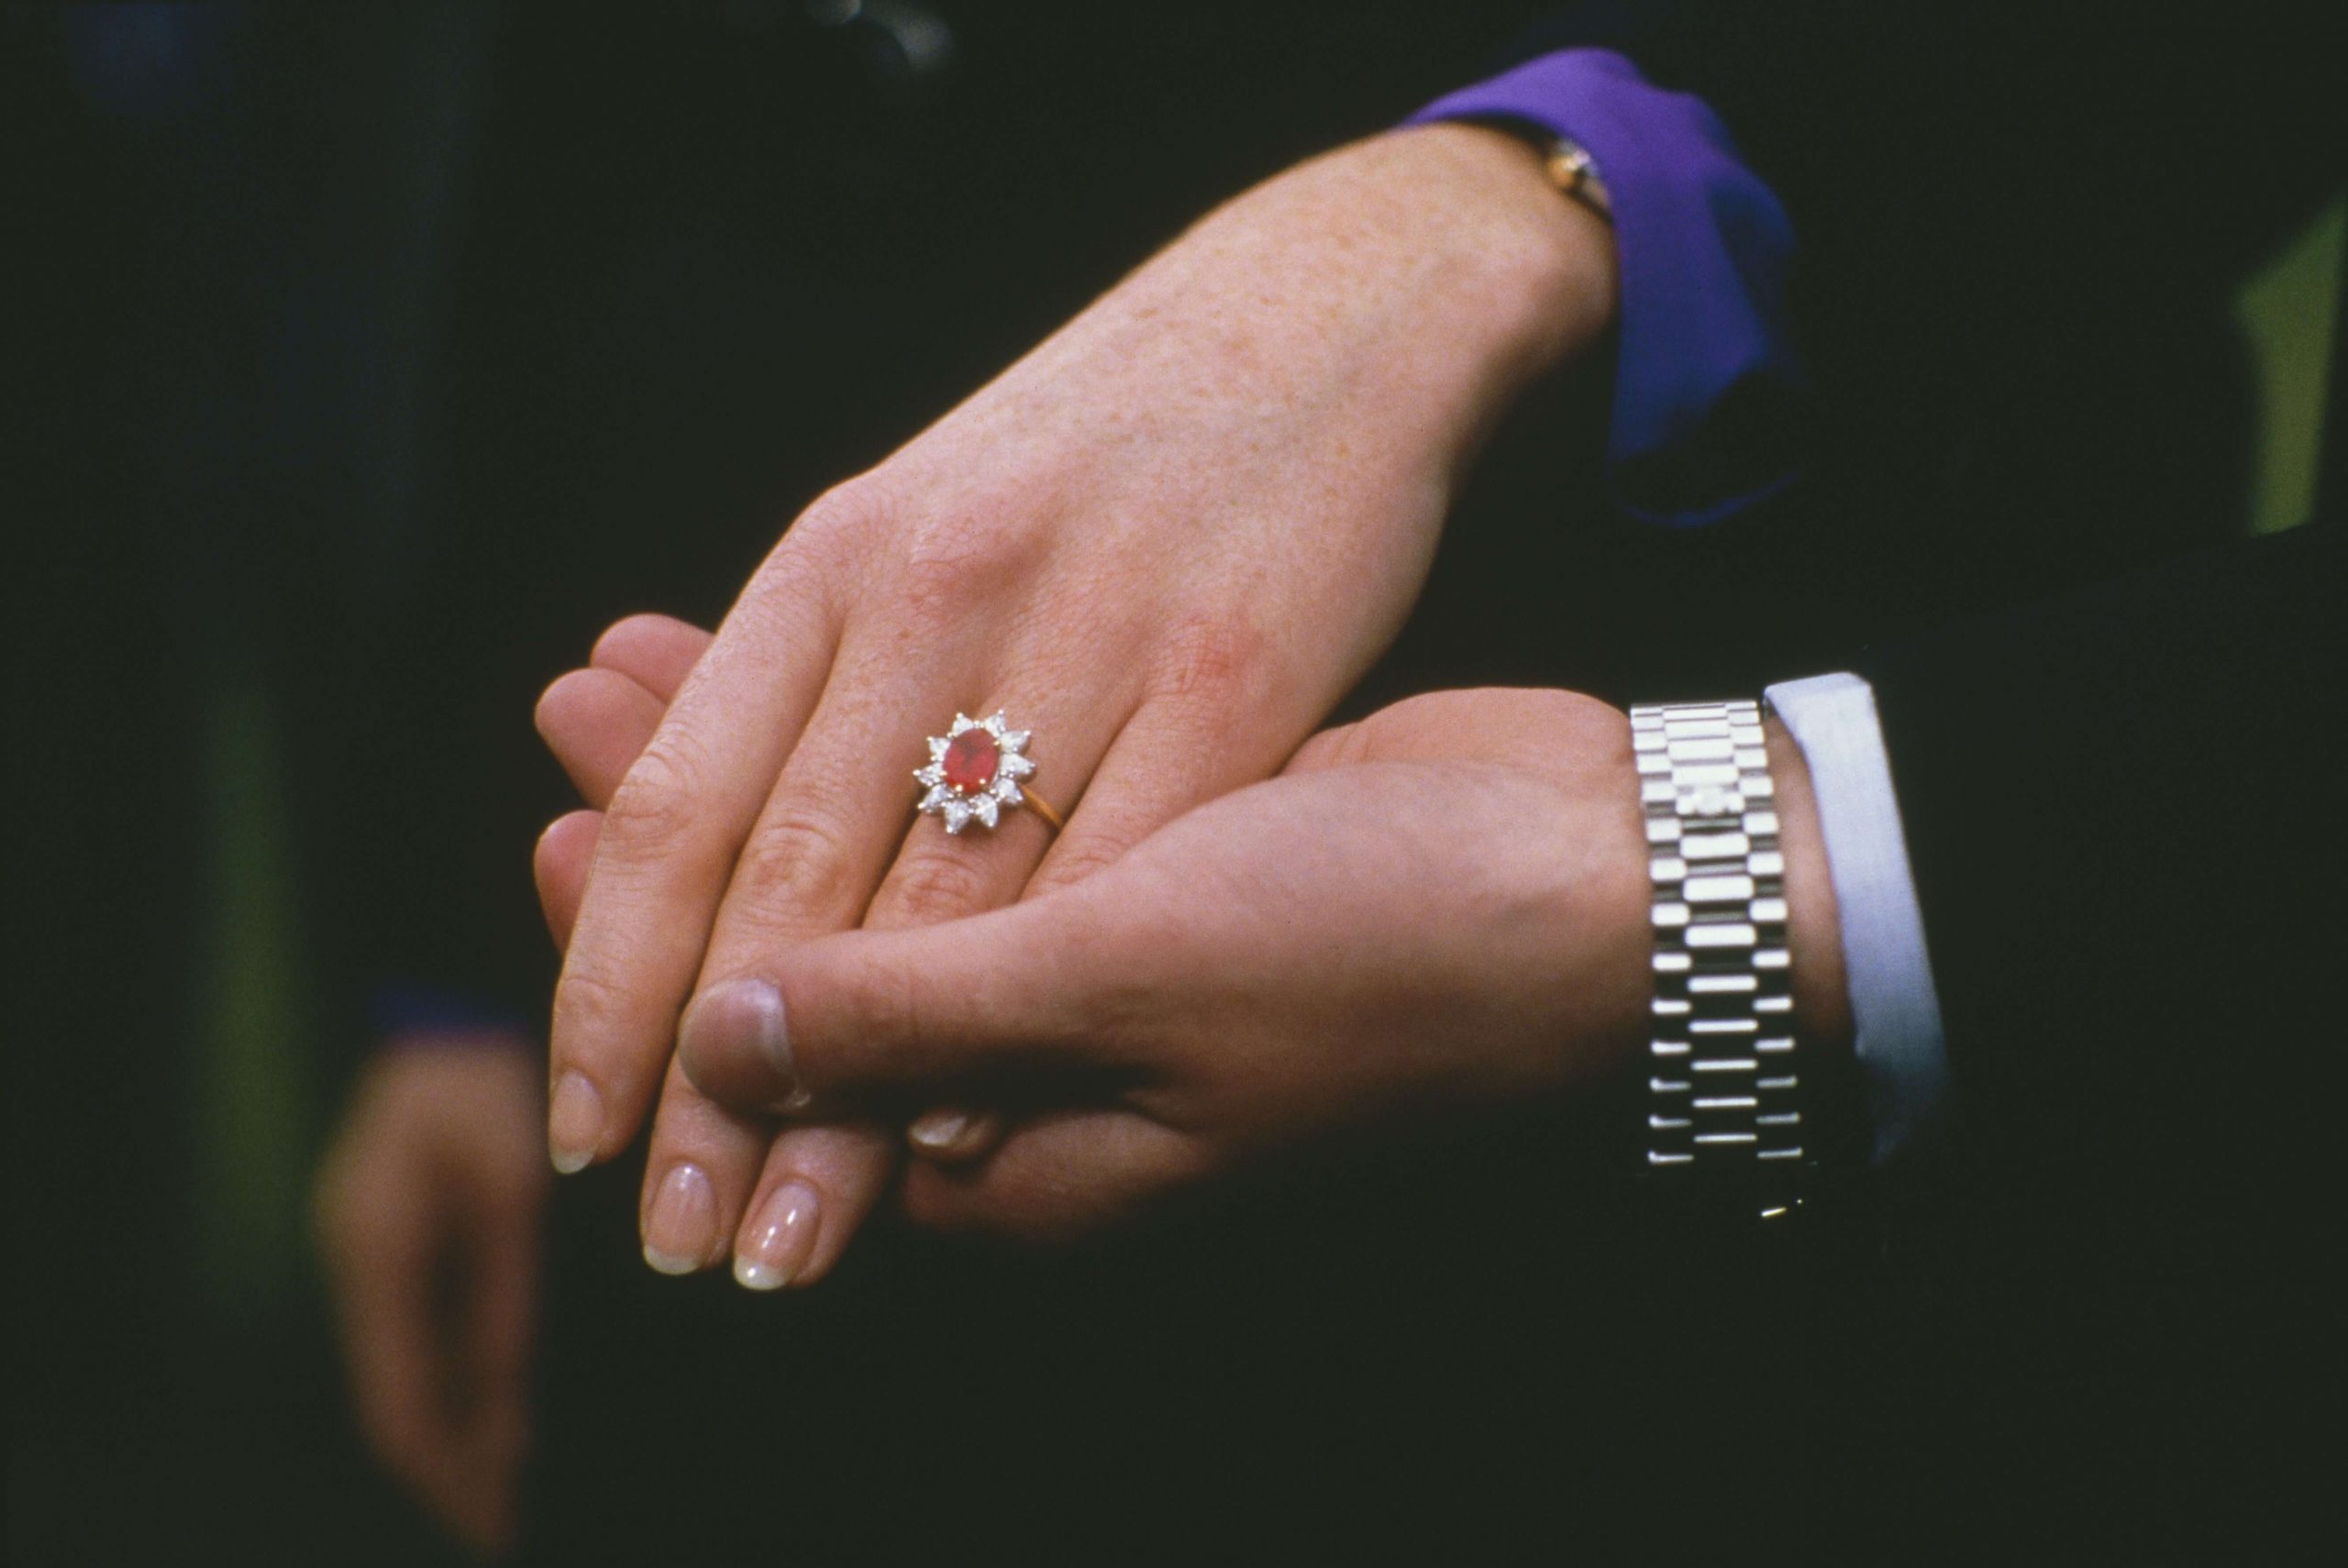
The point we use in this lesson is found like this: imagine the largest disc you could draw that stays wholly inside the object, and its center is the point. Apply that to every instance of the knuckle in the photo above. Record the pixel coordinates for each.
(586, 995)
(888, 1001)
(1347, 744)
(787, 610)
(871, 1008)
(1075, 857)
(1123, 1016)
(796, 862)
(960, 557)
(854, 507)
(921, 562)
(1208, 659)
(807, 579)
(960, 540)
(840, 530)
(939, 587)
(930, 885)
(658, 800)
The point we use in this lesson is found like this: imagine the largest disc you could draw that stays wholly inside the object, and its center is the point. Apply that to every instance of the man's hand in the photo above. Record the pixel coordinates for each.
(429, 1209)
(1167, 541)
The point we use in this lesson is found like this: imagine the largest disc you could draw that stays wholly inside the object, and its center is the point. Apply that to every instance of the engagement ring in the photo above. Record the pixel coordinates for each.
(974, 772)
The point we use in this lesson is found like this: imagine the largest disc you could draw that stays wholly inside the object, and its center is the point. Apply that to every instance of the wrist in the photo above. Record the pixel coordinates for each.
(1424, 276)
(1538, 268)
(1813, 929)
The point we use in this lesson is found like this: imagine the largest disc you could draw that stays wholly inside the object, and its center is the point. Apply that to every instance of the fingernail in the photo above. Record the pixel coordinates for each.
(938, 1129)
(682, 1225)
(574, 1123)
(732, 1011)
(782, 1239)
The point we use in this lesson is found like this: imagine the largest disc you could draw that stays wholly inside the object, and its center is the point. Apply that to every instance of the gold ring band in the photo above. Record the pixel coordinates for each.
(1043, 808)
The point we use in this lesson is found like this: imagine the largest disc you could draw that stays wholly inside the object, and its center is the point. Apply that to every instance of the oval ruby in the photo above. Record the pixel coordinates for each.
(970, 760)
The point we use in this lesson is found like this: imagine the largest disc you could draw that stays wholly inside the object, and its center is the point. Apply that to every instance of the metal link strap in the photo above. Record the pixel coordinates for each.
(1723, 1089)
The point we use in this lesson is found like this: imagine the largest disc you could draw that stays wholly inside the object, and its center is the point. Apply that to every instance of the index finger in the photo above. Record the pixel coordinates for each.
(665, 852)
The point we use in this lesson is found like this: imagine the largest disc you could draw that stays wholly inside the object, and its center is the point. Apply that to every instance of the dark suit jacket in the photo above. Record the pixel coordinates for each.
(2119, 821)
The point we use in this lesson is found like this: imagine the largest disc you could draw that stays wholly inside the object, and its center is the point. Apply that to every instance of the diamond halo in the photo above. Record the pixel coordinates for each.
(974, 771)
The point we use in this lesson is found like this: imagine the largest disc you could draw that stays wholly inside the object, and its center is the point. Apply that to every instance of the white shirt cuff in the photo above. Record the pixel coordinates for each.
(1895, 1011)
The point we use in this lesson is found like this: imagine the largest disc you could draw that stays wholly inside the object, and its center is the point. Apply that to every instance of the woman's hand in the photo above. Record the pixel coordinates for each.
(1166, 542)
(817, 1183)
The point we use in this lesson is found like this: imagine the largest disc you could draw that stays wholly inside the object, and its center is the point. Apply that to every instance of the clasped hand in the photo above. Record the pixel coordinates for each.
(1166, 542)
(1441, 907)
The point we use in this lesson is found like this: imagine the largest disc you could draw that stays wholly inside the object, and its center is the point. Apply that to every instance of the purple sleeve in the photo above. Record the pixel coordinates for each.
(1706, 378)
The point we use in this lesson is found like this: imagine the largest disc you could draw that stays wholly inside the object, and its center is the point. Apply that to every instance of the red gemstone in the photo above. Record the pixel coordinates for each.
(970, 760)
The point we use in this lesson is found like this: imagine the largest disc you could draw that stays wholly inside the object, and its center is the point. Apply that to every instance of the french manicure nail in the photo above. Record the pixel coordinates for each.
(730, 1014)
(782, 1240)
(574, 1123)
(938, 1129)
(683, 1226)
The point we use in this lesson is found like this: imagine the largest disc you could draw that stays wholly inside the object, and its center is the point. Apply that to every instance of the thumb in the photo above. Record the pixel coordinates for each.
(910, 1015)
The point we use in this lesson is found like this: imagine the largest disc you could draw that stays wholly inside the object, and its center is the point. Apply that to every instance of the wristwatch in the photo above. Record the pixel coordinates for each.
(1724, 1092)
(1567, 162)
(1571, 169)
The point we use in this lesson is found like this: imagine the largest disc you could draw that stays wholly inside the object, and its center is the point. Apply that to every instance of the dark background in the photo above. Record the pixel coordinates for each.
(363, 362)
